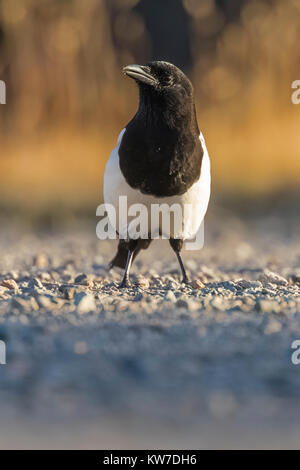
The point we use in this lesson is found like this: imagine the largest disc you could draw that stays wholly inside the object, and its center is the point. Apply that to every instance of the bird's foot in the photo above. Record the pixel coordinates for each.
(185, 280)
(124, 284)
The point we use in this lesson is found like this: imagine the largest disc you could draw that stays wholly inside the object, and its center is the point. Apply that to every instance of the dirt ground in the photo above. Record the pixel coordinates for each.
(158, 365)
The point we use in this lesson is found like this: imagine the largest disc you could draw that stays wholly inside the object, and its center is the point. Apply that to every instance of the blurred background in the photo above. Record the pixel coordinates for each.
(67, 99)
(87, 363)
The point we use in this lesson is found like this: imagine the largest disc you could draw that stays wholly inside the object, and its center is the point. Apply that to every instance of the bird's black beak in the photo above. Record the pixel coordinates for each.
(140, 73)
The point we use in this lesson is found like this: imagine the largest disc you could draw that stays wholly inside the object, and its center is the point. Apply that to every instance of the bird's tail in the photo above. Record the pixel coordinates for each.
(120, 258)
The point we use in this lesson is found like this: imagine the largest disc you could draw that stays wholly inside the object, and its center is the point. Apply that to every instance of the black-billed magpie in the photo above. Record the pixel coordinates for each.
(160, 158)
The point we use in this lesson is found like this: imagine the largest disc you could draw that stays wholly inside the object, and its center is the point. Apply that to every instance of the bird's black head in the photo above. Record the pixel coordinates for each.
(159, 76)
(164, 90)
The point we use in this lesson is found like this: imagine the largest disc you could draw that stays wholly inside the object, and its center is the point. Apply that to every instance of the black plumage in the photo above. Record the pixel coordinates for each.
(160, 153)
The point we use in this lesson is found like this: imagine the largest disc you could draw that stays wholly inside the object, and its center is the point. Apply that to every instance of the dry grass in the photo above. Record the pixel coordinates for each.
(67, 100)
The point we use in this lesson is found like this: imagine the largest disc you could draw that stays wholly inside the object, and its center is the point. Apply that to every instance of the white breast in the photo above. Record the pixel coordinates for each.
(197, 197)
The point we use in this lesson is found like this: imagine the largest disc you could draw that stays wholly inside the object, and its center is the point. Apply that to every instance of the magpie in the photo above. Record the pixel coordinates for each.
(160, 157)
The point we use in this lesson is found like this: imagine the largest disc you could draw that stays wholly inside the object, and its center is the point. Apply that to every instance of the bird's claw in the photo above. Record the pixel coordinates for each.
(124, 284)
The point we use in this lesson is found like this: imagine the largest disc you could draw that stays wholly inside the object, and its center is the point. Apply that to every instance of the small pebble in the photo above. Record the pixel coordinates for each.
(84, 280)
(218, 303)
(272, 327)
(267, 306)
(80, 347)
(9, 284)
(68, 292)
(85, 302)
(45, 302)
(197, 284)
(170, 296)
(182, 303)
(35, 283)
(41, 261)
(142, 282)
(295, 278)
(273, 278)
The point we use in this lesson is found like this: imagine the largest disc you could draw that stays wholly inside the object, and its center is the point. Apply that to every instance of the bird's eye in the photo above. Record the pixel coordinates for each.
(164, 78)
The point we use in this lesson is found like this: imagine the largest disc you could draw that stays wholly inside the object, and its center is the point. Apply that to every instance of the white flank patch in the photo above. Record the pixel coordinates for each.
(197, 197)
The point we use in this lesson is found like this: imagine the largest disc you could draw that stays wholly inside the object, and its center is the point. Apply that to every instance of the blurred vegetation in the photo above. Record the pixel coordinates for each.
(67, 99)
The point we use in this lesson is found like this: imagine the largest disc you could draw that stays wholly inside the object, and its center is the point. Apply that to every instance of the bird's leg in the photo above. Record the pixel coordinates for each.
(176, 244)
(185, 279)
(132, 244)
(125, 280)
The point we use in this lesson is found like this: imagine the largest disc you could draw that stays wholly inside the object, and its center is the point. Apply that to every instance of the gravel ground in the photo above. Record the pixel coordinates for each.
(158, 365)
